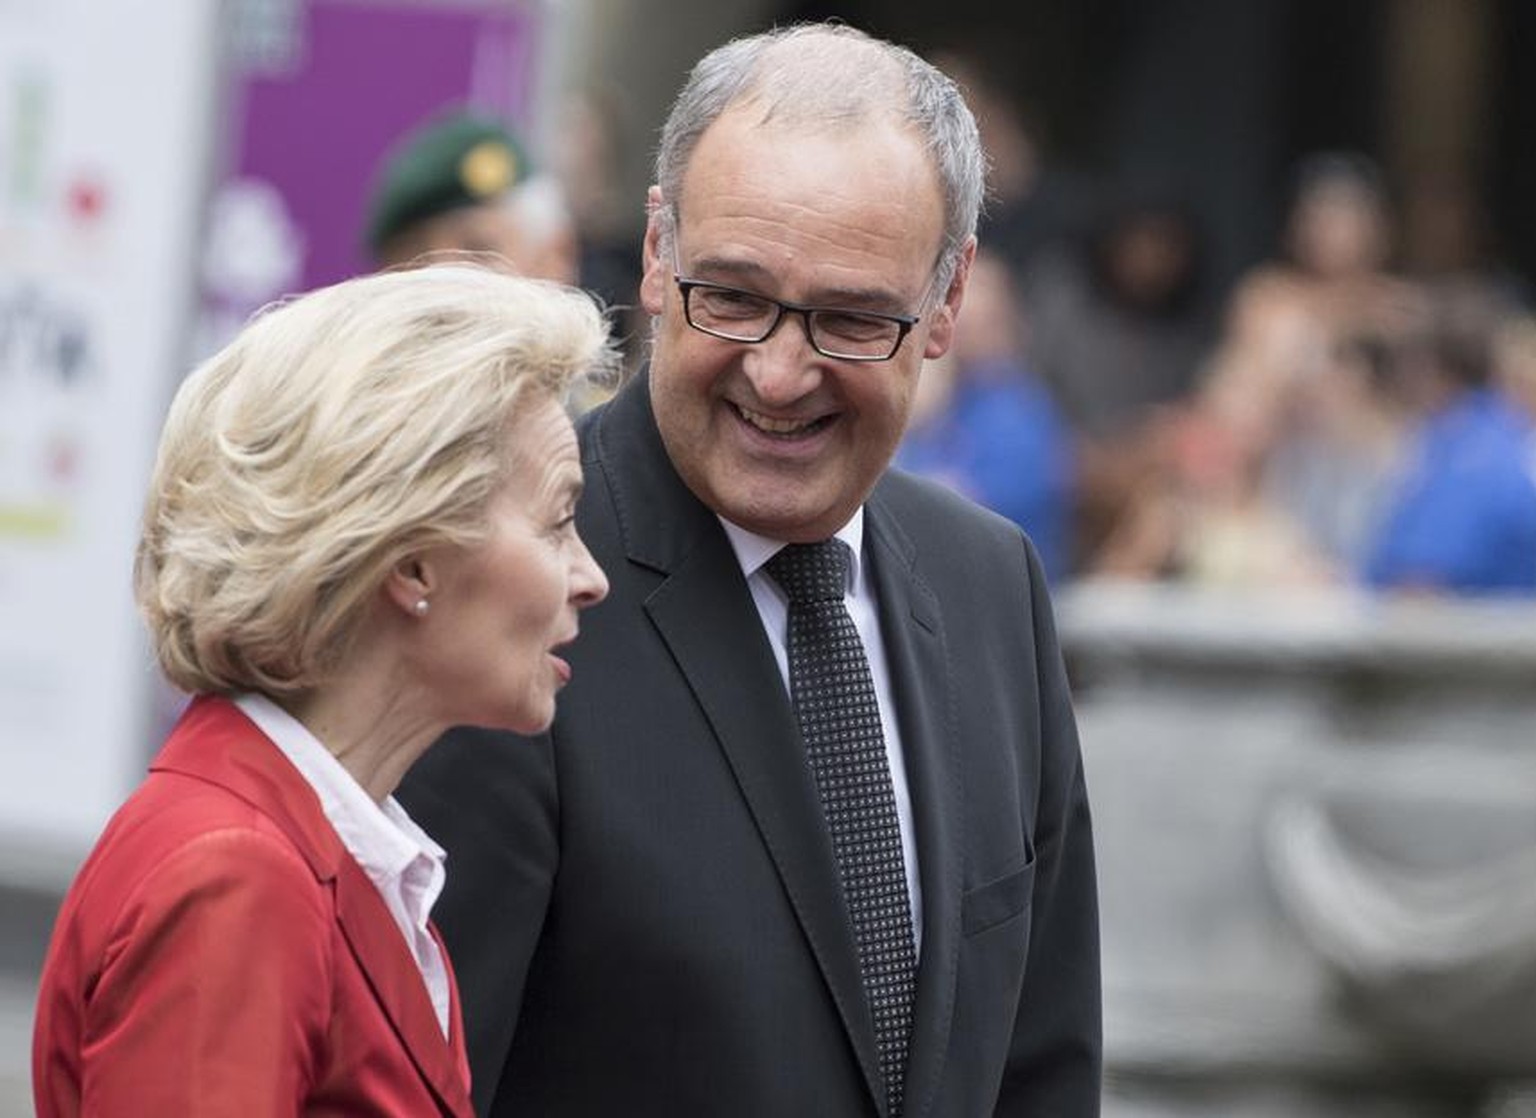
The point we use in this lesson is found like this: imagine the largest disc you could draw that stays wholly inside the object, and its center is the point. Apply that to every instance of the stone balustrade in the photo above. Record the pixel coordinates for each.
(1316, 830)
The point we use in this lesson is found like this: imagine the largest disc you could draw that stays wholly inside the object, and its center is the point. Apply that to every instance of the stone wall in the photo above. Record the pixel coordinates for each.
(1316, 829)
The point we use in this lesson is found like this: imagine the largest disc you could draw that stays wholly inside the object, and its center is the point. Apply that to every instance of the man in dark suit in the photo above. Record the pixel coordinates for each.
(681, 901)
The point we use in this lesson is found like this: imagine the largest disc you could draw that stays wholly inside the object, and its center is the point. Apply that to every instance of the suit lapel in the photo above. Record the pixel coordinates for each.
(702, 617)
(704, 613)
(381, 952)
(918, 660)
(216, 742)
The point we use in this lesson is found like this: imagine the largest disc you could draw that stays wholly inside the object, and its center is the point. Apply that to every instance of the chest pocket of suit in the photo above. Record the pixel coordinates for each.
(998, 901)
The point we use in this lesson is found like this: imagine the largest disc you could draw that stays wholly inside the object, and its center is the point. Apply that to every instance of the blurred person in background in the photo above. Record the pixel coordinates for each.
(1199, 513)
(1514, 361)
(1307, 372)
(1034, 204)
(1119, 322)
(1289, 321)
(1338, 448)
(462, 182)
(587, 156)
(1118, 330)
(1331, 280)
(1275, 469)
(987, 427)
(1514, 364)
(1462, 517)
(359, 532)
(813, 836)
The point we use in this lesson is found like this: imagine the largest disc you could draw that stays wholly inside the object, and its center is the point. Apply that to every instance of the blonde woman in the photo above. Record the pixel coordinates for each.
(359, 532)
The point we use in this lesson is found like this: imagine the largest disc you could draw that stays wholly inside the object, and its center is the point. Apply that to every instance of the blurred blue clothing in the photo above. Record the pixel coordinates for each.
(1463, 518)
(1002, 441)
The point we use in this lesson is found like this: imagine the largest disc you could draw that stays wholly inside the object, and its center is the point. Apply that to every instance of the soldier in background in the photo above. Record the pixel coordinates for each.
(463, 182)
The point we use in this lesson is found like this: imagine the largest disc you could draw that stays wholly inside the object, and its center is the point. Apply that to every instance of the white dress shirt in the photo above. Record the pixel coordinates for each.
(401, 859)
(752, 551)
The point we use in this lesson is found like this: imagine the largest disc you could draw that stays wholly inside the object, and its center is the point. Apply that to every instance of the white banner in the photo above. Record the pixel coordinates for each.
(106, 112)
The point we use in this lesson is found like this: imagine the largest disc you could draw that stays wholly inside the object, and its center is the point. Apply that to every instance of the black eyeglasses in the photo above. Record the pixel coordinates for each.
(745, 316)
(736, 315)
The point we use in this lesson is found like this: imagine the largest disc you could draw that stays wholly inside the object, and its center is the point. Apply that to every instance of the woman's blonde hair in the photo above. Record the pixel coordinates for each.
(339, 433)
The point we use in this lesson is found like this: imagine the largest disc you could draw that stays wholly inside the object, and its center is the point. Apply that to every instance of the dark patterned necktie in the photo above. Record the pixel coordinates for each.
(834, 700)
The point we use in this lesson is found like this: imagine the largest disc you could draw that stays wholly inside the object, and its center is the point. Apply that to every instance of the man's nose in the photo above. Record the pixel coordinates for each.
(785, 366)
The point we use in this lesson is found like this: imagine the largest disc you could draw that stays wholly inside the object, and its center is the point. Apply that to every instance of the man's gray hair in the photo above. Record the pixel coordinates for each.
(829, 73)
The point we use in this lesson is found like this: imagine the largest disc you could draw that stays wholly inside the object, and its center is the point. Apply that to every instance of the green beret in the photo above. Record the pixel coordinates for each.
(451, 161)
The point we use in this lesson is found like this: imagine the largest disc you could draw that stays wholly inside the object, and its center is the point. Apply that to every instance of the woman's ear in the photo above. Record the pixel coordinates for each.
(410, 583)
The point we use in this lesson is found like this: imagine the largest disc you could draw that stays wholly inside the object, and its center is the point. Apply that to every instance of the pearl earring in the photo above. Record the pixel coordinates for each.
(422, 605)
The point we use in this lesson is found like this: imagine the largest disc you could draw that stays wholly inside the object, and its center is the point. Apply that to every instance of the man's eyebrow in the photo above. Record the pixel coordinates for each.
(756, 278)
(729, 268)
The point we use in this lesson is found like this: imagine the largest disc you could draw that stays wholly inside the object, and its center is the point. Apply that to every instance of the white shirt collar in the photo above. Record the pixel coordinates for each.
(398, 857)
(753, 550)
(381, 836)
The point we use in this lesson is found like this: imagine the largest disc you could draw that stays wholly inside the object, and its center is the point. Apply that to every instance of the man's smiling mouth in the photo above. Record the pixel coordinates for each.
(782, 428)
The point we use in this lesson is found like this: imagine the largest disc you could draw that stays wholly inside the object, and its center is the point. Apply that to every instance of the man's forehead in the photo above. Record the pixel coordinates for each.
(845, 189)
(757, 117)
(775, 156)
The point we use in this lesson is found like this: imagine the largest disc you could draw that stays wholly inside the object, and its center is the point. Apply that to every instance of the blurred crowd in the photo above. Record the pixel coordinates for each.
(1328, 419)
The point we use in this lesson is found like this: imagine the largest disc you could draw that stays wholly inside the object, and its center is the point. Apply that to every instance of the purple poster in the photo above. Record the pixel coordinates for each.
(324, 88)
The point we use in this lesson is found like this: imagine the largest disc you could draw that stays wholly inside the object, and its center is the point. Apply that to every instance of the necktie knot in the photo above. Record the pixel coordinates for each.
(811, 572)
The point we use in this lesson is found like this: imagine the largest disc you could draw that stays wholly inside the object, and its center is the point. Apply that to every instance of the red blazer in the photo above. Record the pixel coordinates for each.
(220, 953)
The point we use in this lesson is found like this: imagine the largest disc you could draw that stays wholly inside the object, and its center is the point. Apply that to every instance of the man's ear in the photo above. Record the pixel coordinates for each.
(656, 262)
(941, 335)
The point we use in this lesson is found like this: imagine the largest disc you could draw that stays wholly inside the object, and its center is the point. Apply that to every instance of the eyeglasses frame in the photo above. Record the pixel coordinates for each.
(686, 285)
